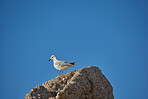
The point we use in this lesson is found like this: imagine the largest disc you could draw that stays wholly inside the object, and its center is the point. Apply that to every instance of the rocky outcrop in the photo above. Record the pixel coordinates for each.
(85, 83)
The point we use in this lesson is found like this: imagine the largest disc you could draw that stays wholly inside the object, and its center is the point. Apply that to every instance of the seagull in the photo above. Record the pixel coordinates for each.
(61, 65)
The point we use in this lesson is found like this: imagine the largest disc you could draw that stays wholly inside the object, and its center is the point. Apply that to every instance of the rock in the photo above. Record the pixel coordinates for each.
(85, 83)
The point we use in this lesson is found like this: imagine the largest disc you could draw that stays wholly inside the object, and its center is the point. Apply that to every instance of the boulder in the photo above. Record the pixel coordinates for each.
(85, 83)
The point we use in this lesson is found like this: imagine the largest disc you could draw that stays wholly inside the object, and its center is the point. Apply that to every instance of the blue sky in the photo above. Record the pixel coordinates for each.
(109, 34)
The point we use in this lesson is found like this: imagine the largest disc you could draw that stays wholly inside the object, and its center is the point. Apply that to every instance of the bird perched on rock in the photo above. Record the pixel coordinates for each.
(61, 65)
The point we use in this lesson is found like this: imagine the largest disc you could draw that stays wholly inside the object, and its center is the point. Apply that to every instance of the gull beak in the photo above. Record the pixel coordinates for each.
(49, 59)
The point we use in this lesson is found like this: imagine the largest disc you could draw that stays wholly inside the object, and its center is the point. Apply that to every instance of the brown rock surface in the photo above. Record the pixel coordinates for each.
(85, 83)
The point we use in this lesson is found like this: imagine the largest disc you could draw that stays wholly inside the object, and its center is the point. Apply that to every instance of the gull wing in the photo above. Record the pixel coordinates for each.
(64, 63)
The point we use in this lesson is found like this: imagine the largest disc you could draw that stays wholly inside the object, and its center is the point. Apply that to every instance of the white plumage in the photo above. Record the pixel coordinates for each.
(61, 65)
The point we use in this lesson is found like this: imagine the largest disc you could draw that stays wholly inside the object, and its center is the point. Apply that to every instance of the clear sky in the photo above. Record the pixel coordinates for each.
(109, 34)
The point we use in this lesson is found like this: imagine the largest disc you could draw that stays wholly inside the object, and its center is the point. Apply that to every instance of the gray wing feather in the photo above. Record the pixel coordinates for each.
(63, 64)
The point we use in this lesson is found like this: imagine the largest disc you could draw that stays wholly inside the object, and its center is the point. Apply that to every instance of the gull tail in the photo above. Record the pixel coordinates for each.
(73, 63)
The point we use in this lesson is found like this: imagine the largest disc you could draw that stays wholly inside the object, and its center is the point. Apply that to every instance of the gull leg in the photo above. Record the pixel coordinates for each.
(62, 72)
(59, 72)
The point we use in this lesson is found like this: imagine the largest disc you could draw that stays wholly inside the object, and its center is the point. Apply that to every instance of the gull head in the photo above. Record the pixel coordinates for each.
(52, 57)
